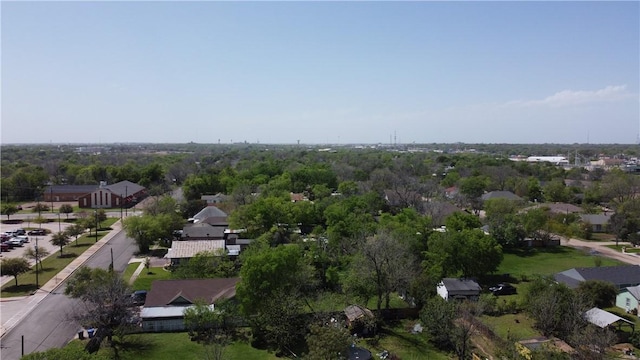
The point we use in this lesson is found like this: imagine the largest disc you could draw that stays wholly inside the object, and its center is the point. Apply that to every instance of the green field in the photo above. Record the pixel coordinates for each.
(548, 261)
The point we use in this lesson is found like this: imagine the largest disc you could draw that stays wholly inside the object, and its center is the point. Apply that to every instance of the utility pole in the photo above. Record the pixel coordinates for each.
(96, 215)
(37, 257)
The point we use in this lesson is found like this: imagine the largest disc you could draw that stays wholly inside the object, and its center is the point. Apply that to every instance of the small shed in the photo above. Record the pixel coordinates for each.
(359, 319)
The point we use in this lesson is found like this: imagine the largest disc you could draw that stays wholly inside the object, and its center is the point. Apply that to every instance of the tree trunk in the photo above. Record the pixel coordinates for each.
(16, 277)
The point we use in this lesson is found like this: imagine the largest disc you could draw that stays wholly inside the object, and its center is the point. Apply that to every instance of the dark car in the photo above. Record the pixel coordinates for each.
(139, 297)
(5, 247)
(37, 232)
(503, 289)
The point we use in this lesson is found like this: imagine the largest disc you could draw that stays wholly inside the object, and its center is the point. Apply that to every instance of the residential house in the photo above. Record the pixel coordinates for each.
(557, 208)
(297, 197)
(621, 276)
(167, 300)
(500, 194)
(629, 299)
(181, 251)
(458, 289)
(212, 216)
(599, 222)
(202, 231)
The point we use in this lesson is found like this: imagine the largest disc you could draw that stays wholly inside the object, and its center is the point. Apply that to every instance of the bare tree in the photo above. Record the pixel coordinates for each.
(36, 256)
(388, 263)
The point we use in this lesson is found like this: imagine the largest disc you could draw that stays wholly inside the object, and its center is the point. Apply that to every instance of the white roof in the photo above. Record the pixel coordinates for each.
(602, 318)
(189, 248)
(165, 311)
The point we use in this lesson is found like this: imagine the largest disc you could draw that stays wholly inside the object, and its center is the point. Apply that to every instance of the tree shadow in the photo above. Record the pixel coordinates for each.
(13, 221)
(20, 289)
(67, 255)
(135, 344)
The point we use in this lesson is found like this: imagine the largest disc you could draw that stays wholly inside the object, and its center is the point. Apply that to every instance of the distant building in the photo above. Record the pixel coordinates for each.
(556, 160)
(123, 193)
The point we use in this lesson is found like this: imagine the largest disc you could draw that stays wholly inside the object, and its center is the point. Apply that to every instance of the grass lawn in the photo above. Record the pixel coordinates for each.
(144, 280)
(51, 266)
(603, 237)
(131, 268)
(547, 261)
(627, 248)
(398, 340)
(170, 346)
(518, 326)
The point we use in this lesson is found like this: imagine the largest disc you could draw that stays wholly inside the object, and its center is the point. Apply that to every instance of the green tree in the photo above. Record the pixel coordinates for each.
(8, 209)
(206, 264)
(14, 267)
(273, 283)
(438, 317)
(459, 221)
(534, 190)
(210, 323)
(470, 253)
(328, 341)
(75, 230)
(145, 230)
(66, 209)
(556, 191)
(60, 239)
(598, 293)
(107, 304)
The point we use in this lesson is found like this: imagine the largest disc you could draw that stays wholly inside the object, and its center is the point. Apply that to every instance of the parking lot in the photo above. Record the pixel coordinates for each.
(43, 241)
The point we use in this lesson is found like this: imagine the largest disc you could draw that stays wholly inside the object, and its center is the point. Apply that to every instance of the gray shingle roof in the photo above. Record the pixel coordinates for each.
(210, 212)
(460, 285)
(200, 230)
(501, 195)
(617, 275)
(125, 188)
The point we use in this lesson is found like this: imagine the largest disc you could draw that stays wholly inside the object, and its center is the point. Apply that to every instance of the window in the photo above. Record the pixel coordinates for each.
(628, 302)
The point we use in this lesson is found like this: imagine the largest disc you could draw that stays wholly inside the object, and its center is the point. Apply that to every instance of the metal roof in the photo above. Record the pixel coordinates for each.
(603, 318)
(189, 248)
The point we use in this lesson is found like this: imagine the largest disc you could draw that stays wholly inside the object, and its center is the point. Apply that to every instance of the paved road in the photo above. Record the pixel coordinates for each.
(600, 247)
(48, 325)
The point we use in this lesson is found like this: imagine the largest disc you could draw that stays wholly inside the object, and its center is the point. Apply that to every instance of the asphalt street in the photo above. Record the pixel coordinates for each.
(50, 323)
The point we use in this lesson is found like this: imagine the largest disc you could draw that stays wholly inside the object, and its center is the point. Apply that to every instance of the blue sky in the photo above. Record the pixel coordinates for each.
(320, 72)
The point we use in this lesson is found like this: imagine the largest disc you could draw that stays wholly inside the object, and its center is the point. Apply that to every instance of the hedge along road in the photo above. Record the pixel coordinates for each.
(49, 324)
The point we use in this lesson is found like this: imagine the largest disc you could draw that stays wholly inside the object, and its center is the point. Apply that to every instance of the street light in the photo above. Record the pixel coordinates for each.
(37, 286)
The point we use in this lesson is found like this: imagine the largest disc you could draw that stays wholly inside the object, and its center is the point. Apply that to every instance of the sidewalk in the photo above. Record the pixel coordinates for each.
(21, 306)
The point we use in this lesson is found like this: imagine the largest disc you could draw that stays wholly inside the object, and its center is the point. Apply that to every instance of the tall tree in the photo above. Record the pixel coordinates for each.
(106, 303)
(328, 341)
(66, 209)
(8, 209)
(273, 284)
(75, 230)
(36, 256)
(60, 239)
(387, 263)
(14, 267)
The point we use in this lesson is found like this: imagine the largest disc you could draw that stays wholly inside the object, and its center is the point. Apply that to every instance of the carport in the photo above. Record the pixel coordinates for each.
(604, 319)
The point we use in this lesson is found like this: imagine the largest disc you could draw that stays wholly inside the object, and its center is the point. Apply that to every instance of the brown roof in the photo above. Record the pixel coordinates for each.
(165, 292)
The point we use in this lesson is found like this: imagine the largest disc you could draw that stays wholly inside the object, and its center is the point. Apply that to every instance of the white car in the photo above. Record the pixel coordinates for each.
(15, 241)
(24, 238)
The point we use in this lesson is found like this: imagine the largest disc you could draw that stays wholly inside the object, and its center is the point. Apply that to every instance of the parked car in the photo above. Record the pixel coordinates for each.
(139, 297)
(5, 247)
(15, 241)
(24, 238)
(37, 232)
(20, 231)
(503, 289)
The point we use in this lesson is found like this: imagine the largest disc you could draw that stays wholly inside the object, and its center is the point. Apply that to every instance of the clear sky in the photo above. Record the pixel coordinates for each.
(320, 72)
